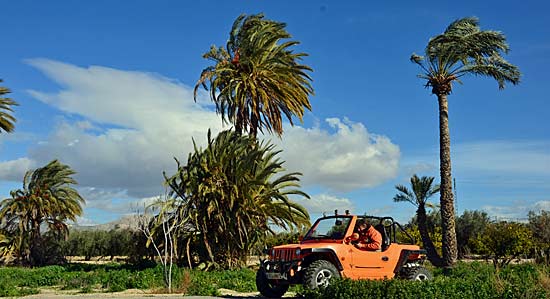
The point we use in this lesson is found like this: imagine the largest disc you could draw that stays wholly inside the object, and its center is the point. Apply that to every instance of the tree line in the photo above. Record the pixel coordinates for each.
(477, 237)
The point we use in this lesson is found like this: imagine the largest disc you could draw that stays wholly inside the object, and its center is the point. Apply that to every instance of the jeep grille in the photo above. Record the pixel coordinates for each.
(284, 255)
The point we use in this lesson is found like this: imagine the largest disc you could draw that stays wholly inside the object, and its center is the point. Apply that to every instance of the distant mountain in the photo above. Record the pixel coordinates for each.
(130, 222)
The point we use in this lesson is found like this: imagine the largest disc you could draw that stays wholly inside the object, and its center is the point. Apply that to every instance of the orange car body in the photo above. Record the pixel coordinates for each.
(350, 261)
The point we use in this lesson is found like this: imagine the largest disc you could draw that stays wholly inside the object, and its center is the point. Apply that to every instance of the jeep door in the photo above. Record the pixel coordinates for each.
(373, 264)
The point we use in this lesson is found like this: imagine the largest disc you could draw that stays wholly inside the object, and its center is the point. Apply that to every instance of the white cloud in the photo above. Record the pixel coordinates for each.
(121, 130)
(516, 211)
(543, 205)
(14, 170)
(348, 158)
(320, 203)
(150, 119)
(114, 200)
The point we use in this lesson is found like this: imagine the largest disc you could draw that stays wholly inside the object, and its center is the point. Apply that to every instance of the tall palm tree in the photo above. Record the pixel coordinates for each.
(6, 119)
(463, 49)
(422, 190)
(257, 78)
(231, 191)
(47, 198)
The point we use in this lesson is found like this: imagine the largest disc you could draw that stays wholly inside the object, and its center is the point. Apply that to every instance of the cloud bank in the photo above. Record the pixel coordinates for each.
(347, 159)
(121, 129)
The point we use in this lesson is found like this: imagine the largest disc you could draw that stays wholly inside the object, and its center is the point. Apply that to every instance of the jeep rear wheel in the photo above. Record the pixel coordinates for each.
(319, 273)
(267, 288)
(416, 273)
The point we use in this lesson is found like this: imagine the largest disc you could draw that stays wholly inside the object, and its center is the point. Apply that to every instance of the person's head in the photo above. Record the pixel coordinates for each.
(362, 225)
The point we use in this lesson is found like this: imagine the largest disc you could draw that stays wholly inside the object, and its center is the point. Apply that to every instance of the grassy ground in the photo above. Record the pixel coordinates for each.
(469, 280)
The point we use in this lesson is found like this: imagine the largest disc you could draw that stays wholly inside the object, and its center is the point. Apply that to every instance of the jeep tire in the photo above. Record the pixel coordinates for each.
(268, 289)
(319, 273)
(416, 273)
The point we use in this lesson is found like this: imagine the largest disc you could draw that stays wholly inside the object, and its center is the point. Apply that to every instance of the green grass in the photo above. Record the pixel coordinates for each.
(86, 278)
(466, 280)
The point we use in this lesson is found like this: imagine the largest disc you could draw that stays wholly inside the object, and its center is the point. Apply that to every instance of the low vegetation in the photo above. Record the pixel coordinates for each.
(86, 278)
(466, 280)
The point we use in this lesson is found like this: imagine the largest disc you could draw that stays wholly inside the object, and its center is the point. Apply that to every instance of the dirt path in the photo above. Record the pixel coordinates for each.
(141, 294)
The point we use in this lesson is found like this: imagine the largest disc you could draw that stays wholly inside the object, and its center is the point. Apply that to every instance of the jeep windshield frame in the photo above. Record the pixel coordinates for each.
(329, 228)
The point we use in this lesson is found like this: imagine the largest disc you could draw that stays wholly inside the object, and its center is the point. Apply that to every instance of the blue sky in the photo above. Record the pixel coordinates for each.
(106, 87)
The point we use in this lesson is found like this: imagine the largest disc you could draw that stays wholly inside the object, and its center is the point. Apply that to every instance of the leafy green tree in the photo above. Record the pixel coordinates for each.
(539, 223)
(46, 200)
(469, 226)
(463, 49)
(257, 77)
(505, 241)
(6, 119)
(232, 192)
(422, 190)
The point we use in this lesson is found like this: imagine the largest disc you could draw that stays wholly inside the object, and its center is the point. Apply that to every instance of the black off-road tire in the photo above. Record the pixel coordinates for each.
(319, 273)
(416, 273)
(268, 289)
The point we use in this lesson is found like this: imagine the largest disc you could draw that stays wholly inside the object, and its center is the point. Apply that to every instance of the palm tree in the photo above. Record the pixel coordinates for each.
(257, 78)
(463, 49)
(47, 198)
(231, 193)
(6, 119)
(422, 190)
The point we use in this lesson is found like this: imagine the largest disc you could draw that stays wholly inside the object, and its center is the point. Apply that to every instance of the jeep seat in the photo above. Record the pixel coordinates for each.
(385, 239)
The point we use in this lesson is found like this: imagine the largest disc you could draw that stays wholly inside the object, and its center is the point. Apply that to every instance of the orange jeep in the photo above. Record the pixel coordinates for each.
(327, 251)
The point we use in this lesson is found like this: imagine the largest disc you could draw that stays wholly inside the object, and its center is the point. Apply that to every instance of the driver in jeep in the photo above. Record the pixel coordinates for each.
(369, 237)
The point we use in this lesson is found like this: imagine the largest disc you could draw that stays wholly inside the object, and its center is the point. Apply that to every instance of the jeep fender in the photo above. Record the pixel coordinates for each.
(325, 253)
(404, 257)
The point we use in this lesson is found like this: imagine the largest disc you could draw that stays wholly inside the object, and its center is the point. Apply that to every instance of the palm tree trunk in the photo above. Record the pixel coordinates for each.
(449, 248)
(433, 256)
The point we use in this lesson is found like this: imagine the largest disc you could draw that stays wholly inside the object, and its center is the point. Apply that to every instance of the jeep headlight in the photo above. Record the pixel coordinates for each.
(273, 252)
(298, 251)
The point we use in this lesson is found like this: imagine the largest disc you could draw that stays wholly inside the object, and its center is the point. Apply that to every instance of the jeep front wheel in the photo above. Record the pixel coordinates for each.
(319, 273)
(267, 288)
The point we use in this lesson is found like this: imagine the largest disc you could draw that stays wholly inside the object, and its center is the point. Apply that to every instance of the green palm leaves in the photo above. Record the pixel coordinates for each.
(6, 119)
(257, 78)
(465, 49)
(47, 198)
(232, 192)
(422, 190)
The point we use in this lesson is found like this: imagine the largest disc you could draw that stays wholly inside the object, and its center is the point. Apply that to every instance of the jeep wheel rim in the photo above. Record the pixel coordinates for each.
(323, 278)
(421, 277)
